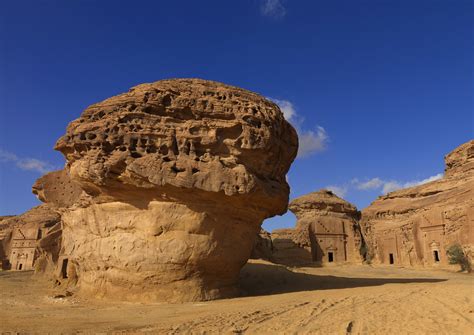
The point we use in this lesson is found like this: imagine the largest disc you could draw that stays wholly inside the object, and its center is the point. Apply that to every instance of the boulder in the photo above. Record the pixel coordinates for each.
(416, 225)
(178, 176)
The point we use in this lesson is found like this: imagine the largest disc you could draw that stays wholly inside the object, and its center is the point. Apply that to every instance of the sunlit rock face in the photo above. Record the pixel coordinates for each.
(415, 226)
(178, 176)
(328, 226)
(22, 238)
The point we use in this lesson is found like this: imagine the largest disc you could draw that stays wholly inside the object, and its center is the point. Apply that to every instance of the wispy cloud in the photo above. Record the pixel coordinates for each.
(272, 8)
(27, 164)
(287, 108)
(392, 185)
(371, 184)
(384, 186)
(310, 141)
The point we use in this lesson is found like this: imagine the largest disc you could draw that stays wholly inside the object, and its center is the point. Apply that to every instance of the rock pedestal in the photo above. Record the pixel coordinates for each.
(178, 176)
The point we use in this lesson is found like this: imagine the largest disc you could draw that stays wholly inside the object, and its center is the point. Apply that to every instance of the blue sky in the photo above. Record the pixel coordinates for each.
(380, 90)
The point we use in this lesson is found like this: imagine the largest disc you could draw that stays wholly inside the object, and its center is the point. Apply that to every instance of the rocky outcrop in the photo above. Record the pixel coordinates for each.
(178, 176)
(328, 227)
(415, 226)
(327, 231)
(286, 249)
(262, 247)
(20, 237)
(59, 192)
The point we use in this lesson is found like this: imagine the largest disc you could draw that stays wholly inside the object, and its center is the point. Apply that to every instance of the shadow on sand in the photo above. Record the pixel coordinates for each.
(268, 279)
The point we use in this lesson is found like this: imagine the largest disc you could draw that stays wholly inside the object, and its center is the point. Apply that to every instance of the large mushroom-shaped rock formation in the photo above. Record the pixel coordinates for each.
(178, 176)
(415, 226)
(327, 226)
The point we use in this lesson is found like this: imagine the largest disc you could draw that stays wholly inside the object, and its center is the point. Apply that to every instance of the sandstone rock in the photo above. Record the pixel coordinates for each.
(21, 234)
(178, 176)
(327, 231)
(57, 189)
(286, 249)
(60, 192)
(263, 247)
(415, 226)
(328, 227)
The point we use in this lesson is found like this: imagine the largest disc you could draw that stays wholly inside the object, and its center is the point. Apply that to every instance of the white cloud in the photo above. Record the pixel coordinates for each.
(393, 185)
(423, 181)
(287, 108)
(387, 186)
(340, 191)
(310, 141)
(371, 184)
(390, 186)
(384, 186)
(273, 8)
(27, 164)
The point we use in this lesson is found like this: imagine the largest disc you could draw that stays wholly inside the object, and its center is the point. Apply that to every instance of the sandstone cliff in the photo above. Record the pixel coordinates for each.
(415, 226)
(175, 178)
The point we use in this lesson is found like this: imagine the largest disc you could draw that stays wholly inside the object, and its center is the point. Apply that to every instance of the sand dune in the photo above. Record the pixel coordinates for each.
(329, 300)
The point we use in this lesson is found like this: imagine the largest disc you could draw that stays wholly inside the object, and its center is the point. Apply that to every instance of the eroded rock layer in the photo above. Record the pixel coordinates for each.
(328, 227)
(178, 176)
(327, 231)
(415, 226)
(22, 235)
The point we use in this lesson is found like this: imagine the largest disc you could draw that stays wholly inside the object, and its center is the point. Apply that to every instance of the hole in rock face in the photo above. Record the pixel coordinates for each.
(164, 149)
(391, 259)
(135, 155)
(64, 268)
(231, 132)
(436, 256)
(330, 257)
(194, 170)
(252, 121)
(175, 169)
(166, 100)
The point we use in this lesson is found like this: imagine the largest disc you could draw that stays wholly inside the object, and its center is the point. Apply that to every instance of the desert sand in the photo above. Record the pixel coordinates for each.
(347, 299)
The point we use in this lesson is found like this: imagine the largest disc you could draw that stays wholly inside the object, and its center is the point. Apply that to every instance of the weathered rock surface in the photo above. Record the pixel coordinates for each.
(326, 231)
(328, 227)
(414, 226)
(178, 176)
(20, 237)
(263, 247)
(286, 249)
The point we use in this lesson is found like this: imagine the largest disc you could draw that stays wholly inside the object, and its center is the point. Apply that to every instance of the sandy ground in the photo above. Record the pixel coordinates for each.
(328, 300)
